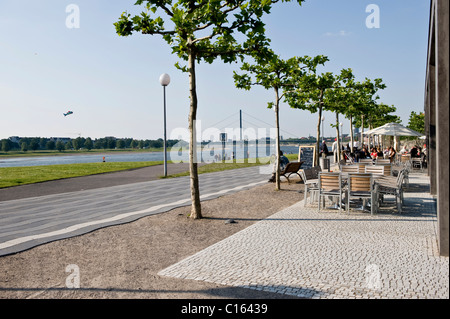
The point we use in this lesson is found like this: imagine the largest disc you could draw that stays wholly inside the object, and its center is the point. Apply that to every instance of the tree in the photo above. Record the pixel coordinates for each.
(120, 144)
(69, 145)
(334, 102)
(34, 144)
(60, 146)
(282, 76)
(312, 93)
(134, 144)
(202, 30)
(359, 100)
(88, 144)
(417, 122)
(24, 146)
(6, 145)
(50, 145)
(76, 144)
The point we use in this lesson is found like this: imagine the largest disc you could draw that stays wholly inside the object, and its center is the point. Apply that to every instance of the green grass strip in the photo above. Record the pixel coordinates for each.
(14, 176)
(223, 166)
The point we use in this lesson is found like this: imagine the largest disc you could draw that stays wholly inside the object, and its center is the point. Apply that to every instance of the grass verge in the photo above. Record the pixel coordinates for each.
(217, 167)
(14, 176)
(12, 154)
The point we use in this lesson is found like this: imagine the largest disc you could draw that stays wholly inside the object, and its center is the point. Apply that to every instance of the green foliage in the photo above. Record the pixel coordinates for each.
(60, 146)
(5, 145)
(206, 28)
(276, 73)
(417, 122)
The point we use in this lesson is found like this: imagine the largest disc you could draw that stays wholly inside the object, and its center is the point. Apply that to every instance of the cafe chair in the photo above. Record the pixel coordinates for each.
(389, 187)
(330, 184)
(361, 186)
(350, 169)
(311, 181)
(375, 169)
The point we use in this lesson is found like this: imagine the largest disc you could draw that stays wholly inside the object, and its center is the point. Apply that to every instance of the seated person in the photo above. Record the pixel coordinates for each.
(392, 153)
(379, 153)
(374, 154)
(283, 162)
(404, 150)
(414, 151)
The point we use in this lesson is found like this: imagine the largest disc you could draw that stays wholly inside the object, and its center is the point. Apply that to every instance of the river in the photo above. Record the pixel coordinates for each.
(208, 155)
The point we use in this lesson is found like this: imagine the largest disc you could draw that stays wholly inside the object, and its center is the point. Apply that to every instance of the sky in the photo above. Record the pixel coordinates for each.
(49, 65)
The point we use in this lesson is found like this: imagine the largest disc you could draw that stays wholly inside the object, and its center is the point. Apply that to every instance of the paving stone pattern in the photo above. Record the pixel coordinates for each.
(302, 252)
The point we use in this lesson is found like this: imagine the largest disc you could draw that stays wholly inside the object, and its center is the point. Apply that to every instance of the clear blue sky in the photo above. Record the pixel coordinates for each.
(112, 85)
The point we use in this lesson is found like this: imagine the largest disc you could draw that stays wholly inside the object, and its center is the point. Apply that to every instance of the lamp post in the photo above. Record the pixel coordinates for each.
(342, 133)
(164, 79)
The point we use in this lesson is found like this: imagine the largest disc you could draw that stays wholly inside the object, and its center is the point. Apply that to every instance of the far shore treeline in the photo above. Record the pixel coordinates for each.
(25, 144)
(62, 144)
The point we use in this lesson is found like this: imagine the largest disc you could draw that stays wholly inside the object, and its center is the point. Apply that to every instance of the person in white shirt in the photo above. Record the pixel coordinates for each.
(335, 150)
(404, 150)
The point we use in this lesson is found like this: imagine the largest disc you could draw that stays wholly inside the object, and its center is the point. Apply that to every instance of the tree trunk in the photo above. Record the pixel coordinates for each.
(277, 147)
(362, 130)
(196, 211)
(316, 162)
(338, 138)
(351, 134)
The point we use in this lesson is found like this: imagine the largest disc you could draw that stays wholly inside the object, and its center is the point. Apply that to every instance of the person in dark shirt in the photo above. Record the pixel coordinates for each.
(283, 162)
(414, 151)
(323, 148)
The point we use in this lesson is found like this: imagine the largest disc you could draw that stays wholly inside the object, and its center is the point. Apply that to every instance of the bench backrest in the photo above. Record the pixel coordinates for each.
(375, 169)
(350, 168)
(292, 167)
(383, 161)
(360, 182)
(328, 181)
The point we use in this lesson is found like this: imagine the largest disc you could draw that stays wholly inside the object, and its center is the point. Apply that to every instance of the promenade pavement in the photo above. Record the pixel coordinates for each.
(297, 251)
(305, 253)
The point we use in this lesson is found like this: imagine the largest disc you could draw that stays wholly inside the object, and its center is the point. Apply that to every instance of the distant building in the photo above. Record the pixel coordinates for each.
(15, 139)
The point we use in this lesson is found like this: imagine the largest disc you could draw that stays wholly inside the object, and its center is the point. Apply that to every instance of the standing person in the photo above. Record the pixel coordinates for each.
(323, 149)
(334, 149)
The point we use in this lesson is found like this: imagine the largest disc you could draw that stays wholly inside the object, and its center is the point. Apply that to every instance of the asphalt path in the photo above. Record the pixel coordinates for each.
(91, 182)
(55, 210)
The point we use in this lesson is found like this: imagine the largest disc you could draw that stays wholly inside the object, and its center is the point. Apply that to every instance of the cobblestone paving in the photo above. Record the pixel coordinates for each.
(302, 252)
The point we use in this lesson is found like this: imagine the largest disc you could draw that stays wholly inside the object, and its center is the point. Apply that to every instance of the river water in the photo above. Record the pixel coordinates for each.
(177, 155)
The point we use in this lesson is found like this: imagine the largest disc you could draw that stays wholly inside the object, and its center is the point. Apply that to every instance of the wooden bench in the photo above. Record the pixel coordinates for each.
(291, 168)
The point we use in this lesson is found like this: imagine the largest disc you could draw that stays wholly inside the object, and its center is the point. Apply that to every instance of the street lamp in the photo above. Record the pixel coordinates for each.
(342, 133)
(164, 79)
